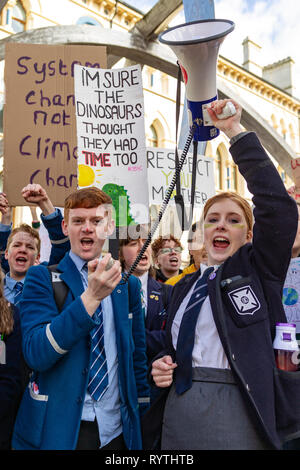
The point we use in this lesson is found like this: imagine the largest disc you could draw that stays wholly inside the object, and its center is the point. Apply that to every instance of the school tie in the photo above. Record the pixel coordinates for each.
(18, 289)
(98, 378)
(144, 308)
(186, 336)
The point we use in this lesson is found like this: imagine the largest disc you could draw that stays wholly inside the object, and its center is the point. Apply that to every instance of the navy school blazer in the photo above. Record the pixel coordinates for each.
(158, 295)
(256, 272)
(56, 346)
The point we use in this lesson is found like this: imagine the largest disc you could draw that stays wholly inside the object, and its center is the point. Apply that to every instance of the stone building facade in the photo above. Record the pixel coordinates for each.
(267, 88)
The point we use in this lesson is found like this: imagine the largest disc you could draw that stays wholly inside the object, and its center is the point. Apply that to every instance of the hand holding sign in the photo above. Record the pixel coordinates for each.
(3, 203)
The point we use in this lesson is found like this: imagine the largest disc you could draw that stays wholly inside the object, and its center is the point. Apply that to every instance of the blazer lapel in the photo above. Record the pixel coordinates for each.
(152, 293)
(217, 310)
(70, 275)
(179, 294)
(120, 302)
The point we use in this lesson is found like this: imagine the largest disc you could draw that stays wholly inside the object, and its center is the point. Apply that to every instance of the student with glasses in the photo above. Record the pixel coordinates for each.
(167, 256)
(198, 255)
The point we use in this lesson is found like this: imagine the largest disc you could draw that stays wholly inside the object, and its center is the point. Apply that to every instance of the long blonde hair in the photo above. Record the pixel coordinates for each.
(6, 316)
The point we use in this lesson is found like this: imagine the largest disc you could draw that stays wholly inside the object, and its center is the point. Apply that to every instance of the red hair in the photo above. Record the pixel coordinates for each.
(87, 198)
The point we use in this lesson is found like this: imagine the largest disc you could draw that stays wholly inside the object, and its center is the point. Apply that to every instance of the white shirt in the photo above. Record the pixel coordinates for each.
(144, 282)
(107, 410)
(208, 350)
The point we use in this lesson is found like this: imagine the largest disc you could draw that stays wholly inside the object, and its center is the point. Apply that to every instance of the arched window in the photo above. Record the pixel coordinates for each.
(153, 138)
(152, 79)
(218, 170)
(165, 84)
(88, 20)
(18, 19)
(1, 116)
(283, 129)
(274, 121)
(292, 136)
(282, 174)
(230, 175)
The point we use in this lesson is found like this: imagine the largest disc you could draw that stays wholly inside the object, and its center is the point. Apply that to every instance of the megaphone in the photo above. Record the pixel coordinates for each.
(196, 45)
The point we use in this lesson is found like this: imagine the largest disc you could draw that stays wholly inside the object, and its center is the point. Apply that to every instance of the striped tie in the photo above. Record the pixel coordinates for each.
(18, 289)
(186, 336)
(98, 380)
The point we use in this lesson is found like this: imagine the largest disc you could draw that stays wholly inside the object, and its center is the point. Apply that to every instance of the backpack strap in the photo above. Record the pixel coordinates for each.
(60, 289)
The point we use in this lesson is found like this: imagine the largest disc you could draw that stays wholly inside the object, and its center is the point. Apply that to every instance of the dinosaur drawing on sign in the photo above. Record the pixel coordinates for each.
(121, 203)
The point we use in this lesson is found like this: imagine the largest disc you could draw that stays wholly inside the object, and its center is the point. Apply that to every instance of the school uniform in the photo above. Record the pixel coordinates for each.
(60, 246)
(57, 346)
(160, 277)
(244, 301)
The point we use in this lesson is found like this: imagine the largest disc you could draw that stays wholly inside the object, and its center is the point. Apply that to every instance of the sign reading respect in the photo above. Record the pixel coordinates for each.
(40, 143)
(161, 168)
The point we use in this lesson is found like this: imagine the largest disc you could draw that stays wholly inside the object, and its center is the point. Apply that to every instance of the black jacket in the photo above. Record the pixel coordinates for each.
(253, 272)
(12, 379)
(158, 299)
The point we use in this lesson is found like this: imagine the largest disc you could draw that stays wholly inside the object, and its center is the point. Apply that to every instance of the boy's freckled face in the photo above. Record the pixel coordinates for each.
(87, 230)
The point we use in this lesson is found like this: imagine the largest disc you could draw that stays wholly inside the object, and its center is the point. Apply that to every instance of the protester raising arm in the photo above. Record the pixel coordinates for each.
(10, 368)
(51, 218)
(239, 302)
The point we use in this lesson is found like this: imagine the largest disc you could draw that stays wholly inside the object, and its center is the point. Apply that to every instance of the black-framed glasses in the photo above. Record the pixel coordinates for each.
(165, 251)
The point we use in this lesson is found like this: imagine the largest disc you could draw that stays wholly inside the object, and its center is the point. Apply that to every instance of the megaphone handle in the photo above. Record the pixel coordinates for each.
(164, 204)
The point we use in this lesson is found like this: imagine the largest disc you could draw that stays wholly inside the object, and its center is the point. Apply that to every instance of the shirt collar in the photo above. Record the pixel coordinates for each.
(204, 267)
(144, 278)
(79, 262)
(10, 282)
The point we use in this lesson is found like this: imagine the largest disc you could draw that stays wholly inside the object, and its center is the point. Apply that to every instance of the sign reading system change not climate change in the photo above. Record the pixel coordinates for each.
(40, 144)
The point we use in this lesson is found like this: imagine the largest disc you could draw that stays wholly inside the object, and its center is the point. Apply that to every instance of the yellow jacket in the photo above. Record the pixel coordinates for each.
(173, 280)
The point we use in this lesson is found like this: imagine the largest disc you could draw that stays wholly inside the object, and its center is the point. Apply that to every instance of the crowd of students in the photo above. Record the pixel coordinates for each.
(170, 360)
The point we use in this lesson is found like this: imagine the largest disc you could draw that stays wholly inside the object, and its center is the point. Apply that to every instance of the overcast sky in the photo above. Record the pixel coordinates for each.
(273, 24)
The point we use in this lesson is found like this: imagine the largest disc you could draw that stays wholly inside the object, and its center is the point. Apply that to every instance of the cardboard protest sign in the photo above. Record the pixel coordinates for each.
(111, 138)
(161, 168)
(40, 143)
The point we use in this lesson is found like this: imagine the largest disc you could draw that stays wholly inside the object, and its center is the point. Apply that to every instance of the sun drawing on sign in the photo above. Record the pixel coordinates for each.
(87, 176)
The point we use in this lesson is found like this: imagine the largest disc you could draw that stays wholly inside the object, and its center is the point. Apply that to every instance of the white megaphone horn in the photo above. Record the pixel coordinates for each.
(196, 46)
